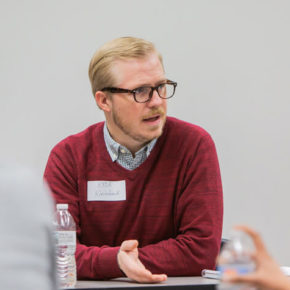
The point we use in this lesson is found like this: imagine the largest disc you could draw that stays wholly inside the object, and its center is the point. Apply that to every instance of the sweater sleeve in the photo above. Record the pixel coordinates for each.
(61, 176)
(198, 219)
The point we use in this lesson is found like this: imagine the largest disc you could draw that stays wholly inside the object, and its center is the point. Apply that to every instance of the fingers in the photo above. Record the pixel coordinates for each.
(233, 278)
(142, 275)
(129, 245)
(254, 235)
(136, 271)
(156, 278)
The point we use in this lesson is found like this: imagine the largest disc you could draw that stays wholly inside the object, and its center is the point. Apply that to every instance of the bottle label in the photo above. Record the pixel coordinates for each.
(66, 238)
(237, 269)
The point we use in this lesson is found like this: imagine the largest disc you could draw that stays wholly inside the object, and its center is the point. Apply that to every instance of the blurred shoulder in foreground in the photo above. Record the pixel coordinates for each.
(26, 247)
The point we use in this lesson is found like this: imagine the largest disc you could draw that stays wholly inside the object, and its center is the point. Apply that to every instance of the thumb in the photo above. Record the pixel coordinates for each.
(129, 245)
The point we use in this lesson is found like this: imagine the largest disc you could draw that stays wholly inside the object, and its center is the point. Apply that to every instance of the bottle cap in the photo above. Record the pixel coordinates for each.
(62, 206)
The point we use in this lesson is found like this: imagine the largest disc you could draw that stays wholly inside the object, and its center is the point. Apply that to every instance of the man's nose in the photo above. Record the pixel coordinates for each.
(155, 99)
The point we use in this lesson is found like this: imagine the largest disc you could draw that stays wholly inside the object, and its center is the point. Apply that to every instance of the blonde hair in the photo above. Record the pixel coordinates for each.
(121, 48)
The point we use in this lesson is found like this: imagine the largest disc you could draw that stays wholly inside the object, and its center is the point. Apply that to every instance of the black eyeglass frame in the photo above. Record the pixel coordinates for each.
(115, 90)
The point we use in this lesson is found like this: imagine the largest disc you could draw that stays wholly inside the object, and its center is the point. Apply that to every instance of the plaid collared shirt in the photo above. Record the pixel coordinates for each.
(122, 155)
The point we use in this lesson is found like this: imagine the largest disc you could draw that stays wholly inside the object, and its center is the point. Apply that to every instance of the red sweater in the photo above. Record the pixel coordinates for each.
(173, 203)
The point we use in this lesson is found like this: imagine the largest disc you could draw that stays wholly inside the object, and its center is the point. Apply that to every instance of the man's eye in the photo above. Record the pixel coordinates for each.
(141, 90)
(161, 86)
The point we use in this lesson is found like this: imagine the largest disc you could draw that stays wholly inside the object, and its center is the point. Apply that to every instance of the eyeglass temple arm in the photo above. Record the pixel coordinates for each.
(116, 90)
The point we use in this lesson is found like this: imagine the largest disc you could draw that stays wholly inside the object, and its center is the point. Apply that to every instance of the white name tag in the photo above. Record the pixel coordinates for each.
(102, 190)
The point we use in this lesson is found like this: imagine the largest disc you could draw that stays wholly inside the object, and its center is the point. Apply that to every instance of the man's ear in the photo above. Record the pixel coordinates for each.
(103, 101)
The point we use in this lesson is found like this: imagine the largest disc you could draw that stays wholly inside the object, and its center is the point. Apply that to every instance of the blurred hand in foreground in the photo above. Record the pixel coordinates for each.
(268, 274)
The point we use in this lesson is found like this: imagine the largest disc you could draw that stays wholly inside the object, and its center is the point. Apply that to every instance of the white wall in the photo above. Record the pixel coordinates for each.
(231, 60)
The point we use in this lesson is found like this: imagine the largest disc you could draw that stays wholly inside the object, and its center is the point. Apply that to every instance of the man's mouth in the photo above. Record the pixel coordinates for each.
(152, 119)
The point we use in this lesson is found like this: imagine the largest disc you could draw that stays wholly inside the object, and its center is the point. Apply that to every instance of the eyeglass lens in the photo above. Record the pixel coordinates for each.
(165, 91)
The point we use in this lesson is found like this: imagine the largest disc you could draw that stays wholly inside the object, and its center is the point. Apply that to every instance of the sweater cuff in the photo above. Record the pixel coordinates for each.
(108, 264)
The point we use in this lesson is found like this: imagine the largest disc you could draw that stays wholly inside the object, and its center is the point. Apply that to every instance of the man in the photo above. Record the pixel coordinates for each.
(140, 177)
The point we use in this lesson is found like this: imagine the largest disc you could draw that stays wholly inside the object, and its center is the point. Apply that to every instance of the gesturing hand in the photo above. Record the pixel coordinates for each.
(130, 264)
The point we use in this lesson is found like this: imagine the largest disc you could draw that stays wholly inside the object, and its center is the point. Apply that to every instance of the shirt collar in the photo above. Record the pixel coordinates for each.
(115, 148)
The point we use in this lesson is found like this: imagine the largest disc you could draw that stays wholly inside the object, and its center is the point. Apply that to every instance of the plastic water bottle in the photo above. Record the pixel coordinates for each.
(65, 236)
(236, 258)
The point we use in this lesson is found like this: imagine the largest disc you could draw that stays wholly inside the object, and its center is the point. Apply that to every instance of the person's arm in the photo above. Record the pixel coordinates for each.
(198, 215)
(267, 274)
(61, 175)
(198, 218)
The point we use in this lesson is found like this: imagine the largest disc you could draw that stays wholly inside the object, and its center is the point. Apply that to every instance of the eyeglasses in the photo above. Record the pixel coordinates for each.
(144, 94)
